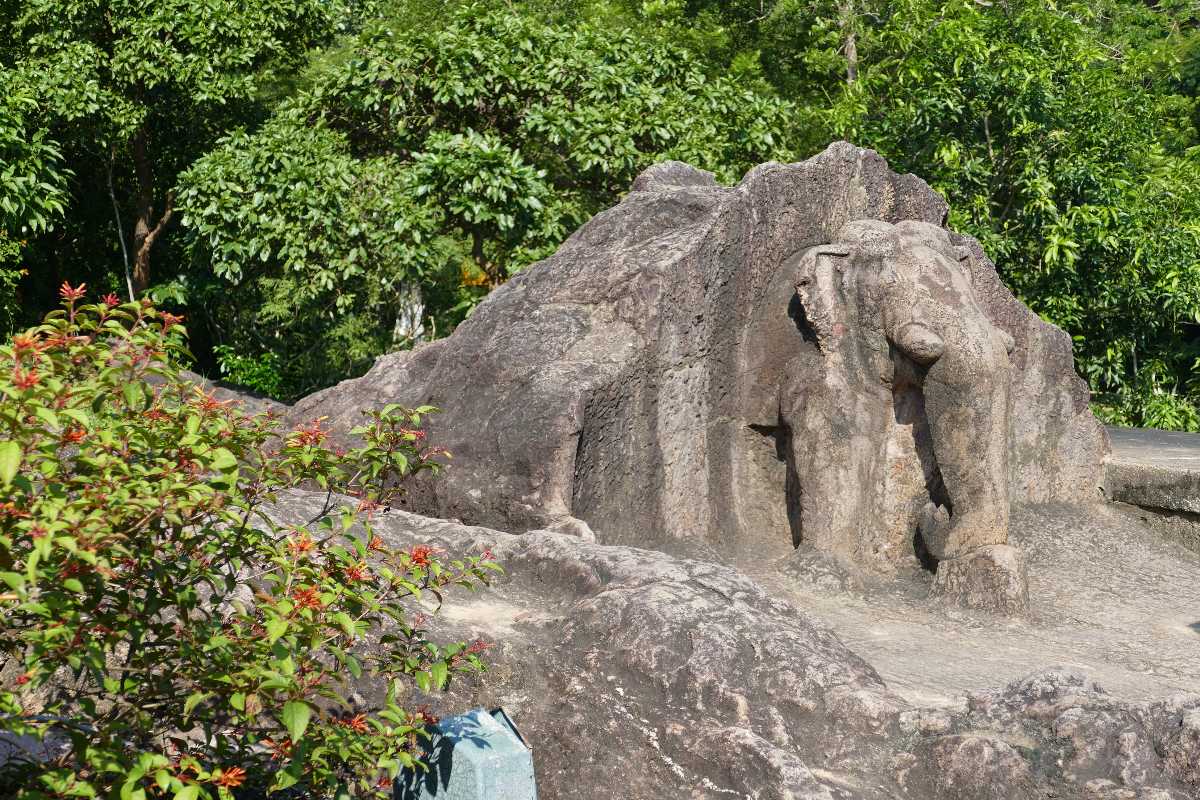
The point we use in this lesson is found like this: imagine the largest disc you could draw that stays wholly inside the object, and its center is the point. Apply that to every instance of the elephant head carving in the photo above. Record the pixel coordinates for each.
(902, 445)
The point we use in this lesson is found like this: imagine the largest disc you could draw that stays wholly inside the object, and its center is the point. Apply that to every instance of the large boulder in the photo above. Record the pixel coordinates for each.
(642, 676)
(633, 384)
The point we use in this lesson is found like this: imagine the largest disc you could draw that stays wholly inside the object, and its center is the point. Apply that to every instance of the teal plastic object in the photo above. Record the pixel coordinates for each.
(474, 756)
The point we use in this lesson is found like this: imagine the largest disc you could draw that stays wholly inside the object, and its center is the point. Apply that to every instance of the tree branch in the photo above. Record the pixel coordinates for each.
(112, 193)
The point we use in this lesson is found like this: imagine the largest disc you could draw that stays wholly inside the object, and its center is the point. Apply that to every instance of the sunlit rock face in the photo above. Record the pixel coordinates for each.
(645, 383)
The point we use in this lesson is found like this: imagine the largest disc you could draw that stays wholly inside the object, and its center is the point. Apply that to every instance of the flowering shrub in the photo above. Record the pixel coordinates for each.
(164, 636)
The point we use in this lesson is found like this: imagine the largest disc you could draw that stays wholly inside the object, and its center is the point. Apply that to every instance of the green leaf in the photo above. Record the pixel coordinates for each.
(440, 674)
(133, 395)
(222, 460)
(194, 699)
(285, 779)
(189, 792)
(163, 779)
(347, 624)
(79, 416)
(47, 416)
(296, 714)
(10, 461)
(276, 627)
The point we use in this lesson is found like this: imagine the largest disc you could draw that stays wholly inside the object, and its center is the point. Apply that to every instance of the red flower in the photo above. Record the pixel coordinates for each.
(311, 435)
(300, 544)
(424, 715)
(375, 544)
(357, 723)
(111, 300)
(308, 597)
(170, 320)
(356, 572)
(56, 341)
(25, 380)
(73, 436)
(21, 342)
(422, 555)
(208, 402)
(71, 295)
(23, 679)
(10, 510)
(231, 777)
(479, 646)
(279, 750)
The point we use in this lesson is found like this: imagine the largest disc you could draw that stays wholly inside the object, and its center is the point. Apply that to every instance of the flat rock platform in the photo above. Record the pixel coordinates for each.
(1154, 469)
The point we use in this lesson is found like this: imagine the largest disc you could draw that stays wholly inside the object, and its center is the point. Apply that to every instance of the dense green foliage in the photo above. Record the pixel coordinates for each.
(115, 99)
(1062, 149)
(431, 148)
(161, 634)
(435, 164)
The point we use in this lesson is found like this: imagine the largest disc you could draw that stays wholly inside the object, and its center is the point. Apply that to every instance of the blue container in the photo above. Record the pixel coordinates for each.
(474, 756)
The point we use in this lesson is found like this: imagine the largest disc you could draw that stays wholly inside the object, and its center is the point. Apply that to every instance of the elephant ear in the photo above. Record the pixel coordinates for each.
(821, 289)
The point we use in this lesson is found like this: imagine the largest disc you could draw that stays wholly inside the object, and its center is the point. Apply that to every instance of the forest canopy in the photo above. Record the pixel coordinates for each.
(313, 184)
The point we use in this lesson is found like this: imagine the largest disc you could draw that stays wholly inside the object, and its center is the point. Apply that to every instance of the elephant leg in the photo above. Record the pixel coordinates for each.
(835, 456)
(969, 428)
(968, 420)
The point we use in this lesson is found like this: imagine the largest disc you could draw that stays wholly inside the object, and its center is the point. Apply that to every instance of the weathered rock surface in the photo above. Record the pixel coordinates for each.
(1153, 469)
(633, 380)
(638, 675)
(902, 422)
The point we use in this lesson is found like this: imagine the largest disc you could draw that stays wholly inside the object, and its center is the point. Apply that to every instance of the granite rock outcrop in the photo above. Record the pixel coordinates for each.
(639, 385)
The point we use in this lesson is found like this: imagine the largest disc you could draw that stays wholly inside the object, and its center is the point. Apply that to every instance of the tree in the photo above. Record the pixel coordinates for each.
(488, 138)
(33, 180)
(320, 245)
(31, 168)
(1062, 134)
(1055, 134)
(137, 91)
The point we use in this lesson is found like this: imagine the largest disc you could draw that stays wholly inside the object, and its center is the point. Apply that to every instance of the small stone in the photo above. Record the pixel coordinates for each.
(991, 579)
(1183, 749)
(979, 768)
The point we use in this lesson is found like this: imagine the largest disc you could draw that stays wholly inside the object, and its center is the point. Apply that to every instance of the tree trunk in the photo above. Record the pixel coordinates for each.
(492, 271)
(850, 46)
(409, 327)
(146, 229)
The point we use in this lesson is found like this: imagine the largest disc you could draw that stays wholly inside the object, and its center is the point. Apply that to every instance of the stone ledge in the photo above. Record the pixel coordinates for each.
(1157, 470)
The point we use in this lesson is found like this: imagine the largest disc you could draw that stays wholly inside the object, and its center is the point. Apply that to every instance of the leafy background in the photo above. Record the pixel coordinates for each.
(314, 183)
